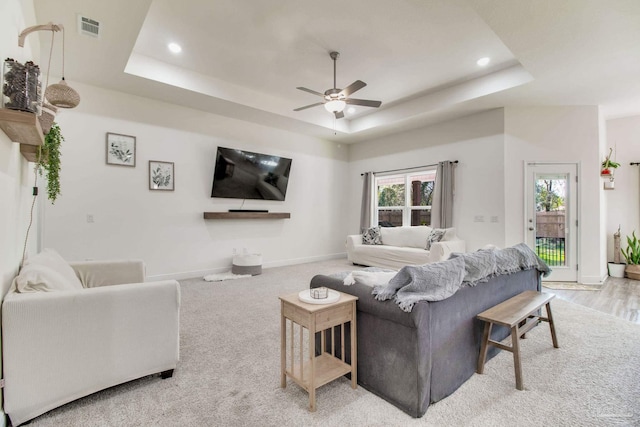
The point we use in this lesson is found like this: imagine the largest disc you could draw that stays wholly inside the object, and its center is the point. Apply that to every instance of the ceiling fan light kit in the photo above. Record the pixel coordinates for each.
(335, 106)
(335, 100)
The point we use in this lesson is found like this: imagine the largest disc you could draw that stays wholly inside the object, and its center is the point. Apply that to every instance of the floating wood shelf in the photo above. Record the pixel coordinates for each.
(24, 128)
(29, 152)
(247, 215)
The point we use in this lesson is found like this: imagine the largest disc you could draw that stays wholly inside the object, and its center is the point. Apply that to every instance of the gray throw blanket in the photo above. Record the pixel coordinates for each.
(429, 282)
(519, 257)
(440, 280)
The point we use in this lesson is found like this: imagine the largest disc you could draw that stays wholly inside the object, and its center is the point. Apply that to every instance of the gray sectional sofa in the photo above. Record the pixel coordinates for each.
(420, 357)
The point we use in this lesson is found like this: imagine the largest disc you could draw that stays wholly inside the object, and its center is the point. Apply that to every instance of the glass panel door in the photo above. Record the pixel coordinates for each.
(551, 218)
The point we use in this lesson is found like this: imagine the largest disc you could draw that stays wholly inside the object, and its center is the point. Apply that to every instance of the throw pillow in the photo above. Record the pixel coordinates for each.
(40, 278)
(51, 259)
(371, 236)
(478, 266)
(435, 236)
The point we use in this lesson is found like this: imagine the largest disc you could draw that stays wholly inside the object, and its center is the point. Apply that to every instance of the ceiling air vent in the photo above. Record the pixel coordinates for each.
(88, 27)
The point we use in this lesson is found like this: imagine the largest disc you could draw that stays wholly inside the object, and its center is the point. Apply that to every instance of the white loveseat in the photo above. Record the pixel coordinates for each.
(69, 330)
(403, 246)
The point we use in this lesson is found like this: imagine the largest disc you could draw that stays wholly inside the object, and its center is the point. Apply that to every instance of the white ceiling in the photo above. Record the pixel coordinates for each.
(244, 59)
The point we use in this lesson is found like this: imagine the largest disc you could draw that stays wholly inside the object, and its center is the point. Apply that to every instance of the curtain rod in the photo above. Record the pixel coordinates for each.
(634, 163)
(404, 169)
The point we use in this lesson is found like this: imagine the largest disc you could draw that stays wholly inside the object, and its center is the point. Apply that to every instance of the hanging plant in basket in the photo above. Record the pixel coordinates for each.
(609, 164)
(49, 161)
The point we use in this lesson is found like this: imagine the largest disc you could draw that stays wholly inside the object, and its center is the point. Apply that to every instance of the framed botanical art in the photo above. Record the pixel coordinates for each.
(161, 176)
(121, 149)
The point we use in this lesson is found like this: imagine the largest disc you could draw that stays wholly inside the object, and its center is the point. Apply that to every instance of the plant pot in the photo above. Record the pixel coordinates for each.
(616, 270)
(633, 271)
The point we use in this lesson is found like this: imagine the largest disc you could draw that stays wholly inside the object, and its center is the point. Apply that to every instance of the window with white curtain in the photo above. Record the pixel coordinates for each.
(404, 199)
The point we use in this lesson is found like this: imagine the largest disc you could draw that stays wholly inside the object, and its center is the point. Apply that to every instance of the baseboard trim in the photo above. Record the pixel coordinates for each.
(592, 280)
(267, 265)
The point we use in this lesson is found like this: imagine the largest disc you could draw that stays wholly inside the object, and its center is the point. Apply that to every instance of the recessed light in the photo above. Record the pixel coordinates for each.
(351, 110)
(175, 47)
(483, 61)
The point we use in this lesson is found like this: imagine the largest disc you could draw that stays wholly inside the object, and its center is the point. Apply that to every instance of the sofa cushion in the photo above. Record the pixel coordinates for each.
(371, 236)
(411, 237)
(449, 234)
(51, 259)
(41, 278)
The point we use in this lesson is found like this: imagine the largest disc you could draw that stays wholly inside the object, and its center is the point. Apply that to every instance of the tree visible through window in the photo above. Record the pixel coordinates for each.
(404, 199)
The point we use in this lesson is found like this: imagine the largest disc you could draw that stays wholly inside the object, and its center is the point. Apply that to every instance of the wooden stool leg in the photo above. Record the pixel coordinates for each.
(283, 349)
(520, 325)
(515, 345)
(484, 347)
(552, 326)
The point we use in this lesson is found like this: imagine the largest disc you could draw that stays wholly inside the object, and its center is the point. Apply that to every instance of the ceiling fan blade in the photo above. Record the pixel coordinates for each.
(363, 102)
(357, 85)
(310, 91)
(339, 114)
(308, 106)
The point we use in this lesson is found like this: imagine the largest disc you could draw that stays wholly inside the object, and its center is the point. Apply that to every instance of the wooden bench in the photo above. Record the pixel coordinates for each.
(520, 315)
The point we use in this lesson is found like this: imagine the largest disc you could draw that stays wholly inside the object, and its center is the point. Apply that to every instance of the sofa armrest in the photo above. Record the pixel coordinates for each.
(353, 241)
(440, 251)
(115, 272)
(59, 346)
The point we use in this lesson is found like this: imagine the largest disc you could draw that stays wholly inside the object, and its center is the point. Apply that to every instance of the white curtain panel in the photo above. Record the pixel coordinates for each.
(365, 210)
(442, 204)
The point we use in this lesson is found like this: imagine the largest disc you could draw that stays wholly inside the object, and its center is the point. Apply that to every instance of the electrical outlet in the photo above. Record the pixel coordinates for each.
(90, 218)
(478, 218)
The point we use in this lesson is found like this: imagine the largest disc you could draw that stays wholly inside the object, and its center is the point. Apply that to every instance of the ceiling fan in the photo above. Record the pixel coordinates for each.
(336, 99)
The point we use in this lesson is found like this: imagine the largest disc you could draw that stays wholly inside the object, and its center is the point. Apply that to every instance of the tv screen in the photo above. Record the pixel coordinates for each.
(245, 175)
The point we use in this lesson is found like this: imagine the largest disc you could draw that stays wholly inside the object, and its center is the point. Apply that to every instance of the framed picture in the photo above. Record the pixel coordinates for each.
(121, 150)
(161, 176)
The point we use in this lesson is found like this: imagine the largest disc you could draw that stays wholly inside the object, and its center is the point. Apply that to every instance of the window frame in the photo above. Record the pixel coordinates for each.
(408, 208)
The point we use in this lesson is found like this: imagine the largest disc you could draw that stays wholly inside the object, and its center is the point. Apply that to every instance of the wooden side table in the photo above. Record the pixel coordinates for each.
(313, 371)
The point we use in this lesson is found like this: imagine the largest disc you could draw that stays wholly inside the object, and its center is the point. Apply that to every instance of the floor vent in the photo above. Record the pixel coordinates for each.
(88, 27)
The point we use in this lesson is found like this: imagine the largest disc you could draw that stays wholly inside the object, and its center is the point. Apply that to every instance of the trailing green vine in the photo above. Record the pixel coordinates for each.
(49, 161)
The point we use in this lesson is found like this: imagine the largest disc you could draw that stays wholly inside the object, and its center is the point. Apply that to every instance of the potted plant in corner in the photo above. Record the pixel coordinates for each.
(616, 268)
(632, 255)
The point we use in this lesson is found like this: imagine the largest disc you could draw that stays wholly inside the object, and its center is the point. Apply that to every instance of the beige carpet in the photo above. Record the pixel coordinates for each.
(229, 372)
(571, 286)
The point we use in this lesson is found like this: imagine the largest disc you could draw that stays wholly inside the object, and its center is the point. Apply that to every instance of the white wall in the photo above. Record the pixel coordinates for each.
(476, 141)
(16, 177)
(557, 134)
(16, 180)
(167, 229)
(623, 203)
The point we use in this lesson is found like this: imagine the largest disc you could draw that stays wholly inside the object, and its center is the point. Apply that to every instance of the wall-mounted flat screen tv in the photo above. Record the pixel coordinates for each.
(246, 175)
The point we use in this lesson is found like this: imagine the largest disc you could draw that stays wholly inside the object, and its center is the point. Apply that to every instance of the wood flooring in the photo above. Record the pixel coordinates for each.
(619, 297)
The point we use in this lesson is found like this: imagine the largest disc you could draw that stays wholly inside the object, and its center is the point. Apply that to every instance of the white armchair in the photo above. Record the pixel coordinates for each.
(61, 345)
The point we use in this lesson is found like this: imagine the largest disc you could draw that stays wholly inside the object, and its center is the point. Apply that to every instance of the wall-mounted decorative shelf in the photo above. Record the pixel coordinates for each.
(247, 215)
(24, 128)
(29, 152)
